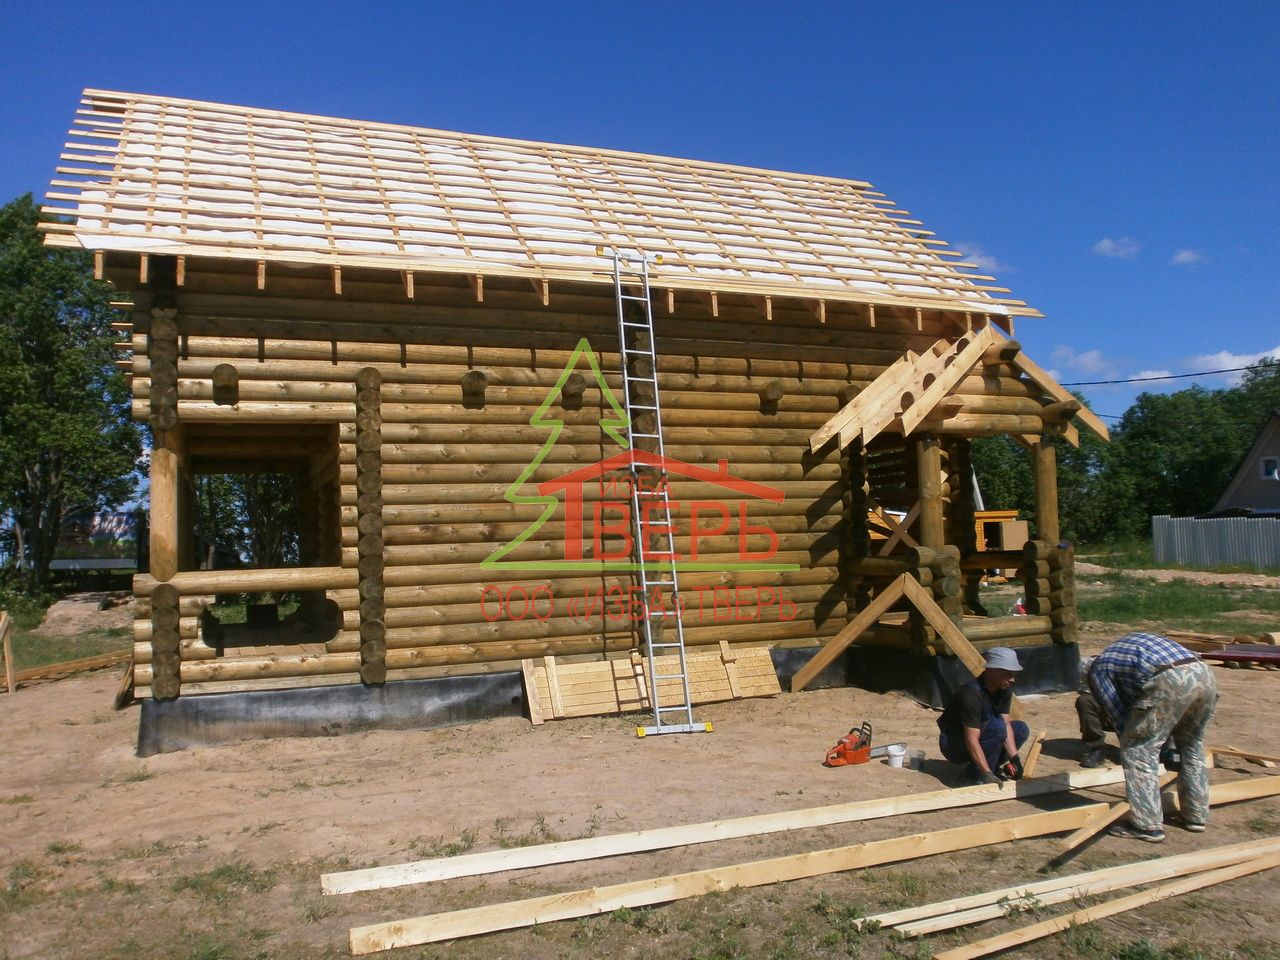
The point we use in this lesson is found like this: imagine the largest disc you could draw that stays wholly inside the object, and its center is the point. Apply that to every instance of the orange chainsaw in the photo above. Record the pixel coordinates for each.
(855, 747)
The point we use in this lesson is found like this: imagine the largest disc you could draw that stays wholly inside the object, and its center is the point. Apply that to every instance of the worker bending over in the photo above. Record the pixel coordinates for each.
(1152, 688)
(975, 727)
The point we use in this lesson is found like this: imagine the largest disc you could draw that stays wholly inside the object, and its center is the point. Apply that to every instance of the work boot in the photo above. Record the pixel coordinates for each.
(1094, 757)
(1131, 832)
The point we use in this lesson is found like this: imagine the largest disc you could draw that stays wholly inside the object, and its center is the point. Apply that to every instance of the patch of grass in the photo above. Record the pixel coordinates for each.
(20, 886)
(1178, 603)
(224, 882)
(842, 920)
(313, 911)
(427, 847)
(157, 848)
(60, 847)
(113, 885)
(204, 948)
(138, 776)
(31, 651)
(539, 832)
(19, 798)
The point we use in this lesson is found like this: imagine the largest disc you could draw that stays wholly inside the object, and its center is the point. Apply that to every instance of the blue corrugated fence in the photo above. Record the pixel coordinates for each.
(1236, 541)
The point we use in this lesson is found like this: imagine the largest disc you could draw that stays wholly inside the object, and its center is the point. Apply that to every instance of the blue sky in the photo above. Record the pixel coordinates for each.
(1116, 164)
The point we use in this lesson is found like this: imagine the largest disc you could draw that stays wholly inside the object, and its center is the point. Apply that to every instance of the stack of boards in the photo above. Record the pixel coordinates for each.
(559, 690)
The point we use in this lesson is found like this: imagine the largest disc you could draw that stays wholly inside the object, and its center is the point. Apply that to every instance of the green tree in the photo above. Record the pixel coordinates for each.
(66, 440)
(253, 516)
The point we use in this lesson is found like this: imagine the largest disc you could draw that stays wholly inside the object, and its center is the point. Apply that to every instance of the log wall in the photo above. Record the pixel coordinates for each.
(447, 392)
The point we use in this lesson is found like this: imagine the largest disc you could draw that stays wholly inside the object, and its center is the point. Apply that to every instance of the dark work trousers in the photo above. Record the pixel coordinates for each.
(991, 740)
(1094, 722)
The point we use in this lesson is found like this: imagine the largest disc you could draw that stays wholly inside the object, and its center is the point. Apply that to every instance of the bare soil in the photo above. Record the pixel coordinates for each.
(79, 613)
(1262, 580)
(217, 852)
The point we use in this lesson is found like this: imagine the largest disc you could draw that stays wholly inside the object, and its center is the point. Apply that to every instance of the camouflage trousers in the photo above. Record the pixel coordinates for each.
(1178, 701)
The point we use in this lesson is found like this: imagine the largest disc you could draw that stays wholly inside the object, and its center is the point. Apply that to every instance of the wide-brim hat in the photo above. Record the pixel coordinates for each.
(1002, 658)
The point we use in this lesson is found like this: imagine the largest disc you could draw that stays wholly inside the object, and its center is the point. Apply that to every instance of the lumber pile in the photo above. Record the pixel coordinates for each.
(1209, 642)
(556, 691)
(1188, 872)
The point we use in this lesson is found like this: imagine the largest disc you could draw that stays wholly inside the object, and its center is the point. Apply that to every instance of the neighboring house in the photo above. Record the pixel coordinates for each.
(1243, 528)
(1255, 489)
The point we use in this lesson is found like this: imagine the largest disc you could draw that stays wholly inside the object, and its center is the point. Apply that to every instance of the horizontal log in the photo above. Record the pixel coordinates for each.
(1005, 627)
(250, 581)
(443, 493)
(465, 473)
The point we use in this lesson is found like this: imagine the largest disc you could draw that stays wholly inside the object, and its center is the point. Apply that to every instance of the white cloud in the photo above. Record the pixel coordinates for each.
(1148, 374)
(1186, 257)
(1124, 248)
(1091, 362)
(983, 260)
(1226, 360)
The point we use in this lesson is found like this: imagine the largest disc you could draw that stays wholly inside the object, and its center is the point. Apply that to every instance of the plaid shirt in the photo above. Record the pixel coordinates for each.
(1119, 672)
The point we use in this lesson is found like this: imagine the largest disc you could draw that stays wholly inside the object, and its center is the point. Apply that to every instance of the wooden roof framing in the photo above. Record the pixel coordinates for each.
(915, 389)
(157, 175)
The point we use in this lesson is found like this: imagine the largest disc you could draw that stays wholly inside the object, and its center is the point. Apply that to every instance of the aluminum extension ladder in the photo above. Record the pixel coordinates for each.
(659, 584)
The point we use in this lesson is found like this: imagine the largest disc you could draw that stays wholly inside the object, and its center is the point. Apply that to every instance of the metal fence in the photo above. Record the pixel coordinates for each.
(1234, 541)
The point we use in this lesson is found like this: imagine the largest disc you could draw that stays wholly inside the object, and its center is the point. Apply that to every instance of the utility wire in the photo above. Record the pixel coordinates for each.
(1166, 376)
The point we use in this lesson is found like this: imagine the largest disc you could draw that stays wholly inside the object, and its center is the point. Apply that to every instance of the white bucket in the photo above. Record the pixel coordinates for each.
(895, 753)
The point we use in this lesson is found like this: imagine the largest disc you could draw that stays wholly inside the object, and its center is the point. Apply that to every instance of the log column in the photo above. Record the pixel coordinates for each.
(166, 642)
(370, 548)
(856, 543)
(167, 442)
(1044, 460)
(1062, 595)
(929, 476)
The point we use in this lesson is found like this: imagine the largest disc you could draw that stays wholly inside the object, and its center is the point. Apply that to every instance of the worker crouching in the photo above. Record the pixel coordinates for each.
(1153, 688)
(976, 729)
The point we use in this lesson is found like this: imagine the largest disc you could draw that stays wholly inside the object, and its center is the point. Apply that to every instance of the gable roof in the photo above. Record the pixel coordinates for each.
(1268, 439)
(161, 175)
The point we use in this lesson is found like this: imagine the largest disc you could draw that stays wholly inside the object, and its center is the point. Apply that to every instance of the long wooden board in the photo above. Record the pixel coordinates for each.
(52, 671)
(1109, 909)
(567, 851)
(964, 911)
(640, 893)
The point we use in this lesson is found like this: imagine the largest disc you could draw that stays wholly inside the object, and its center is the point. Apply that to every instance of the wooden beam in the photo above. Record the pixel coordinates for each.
(1109, 909)
(1261, 759)
(262, 274)
(865, 619)
(1033, 755)
(337, 280)
(50, 671)
(993, 904)
(180, 273)
(929, 479)
(535, 714)
(661, 838)
(408, 284)
(99, 265)
(543, 289)
(6, 628)
(766, 307)
(1046, 383)
(1095, 826)
(640, 893)
(553, 683)
(164, 494)
(1252, 789)
(671, 301)
(144, 268)
(1044, 464)
(712, 301)
(871, 315)
(477, 286)
(947, 380)
(818, 308)
(950, 635)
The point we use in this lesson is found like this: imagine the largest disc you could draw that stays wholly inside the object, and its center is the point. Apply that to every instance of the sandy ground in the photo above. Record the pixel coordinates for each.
(216, 853)
(78, 613)
(1195, 576)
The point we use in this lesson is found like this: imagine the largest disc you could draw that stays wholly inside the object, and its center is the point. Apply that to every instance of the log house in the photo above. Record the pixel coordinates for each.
(420, 326)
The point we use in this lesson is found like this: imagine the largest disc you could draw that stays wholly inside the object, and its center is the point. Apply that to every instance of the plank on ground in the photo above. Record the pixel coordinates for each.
(976, 907)
(581, 903)
(587, 848)
(1046, 928)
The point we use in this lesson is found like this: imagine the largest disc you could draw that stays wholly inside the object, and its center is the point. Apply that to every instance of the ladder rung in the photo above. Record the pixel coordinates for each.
(634, 323)
(651, 436)
(664, 644)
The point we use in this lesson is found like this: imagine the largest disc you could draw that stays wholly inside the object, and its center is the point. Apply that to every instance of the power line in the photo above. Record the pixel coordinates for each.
(1166, 376)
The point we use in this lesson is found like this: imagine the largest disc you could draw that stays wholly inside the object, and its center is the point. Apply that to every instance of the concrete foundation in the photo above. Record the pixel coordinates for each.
(326, 711)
